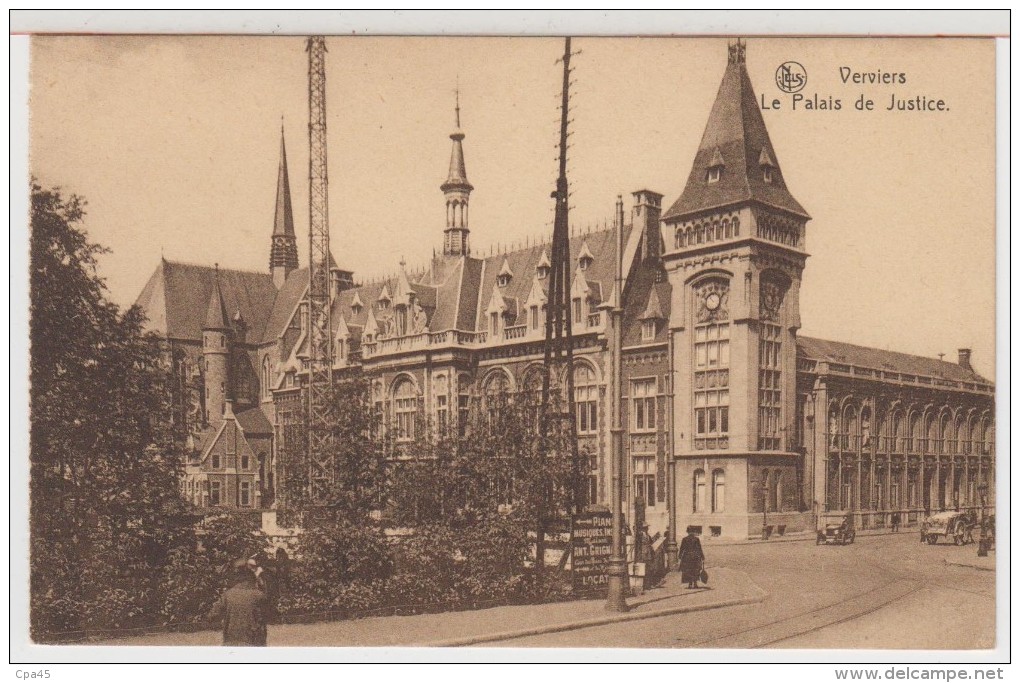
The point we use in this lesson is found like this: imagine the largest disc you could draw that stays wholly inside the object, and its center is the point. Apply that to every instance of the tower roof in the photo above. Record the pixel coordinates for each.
(283, 223)
(735, 139)
(457, 177)
(216, 313)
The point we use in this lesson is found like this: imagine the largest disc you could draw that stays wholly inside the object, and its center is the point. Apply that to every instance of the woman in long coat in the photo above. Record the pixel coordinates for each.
(692, 558)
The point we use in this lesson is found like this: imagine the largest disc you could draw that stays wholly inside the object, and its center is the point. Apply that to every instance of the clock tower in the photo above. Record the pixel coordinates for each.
(734, 256)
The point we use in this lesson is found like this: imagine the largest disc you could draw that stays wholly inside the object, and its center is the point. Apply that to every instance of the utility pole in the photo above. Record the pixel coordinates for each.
(559, 340)
(321, 467)
(617, 569)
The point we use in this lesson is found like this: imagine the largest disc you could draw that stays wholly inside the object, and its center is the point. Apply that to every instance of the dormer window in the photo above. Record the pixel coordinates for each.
(648, 329)
(543, 267)
(585, 258)
(505, 274)
(766, 163)
(384, 304)
(715, 167)
(356, 304)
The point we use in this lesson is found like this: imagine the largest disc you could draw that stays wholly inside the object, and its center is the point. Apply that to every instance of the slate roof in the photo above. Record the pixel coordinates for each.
(254, 422)
(863, 356)
(736, 133)
(177, 295)
(286, 301)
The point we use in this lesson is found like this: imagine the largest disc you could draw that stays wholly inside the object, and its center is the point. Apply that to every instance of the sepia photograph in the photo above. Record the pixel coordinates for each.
(670, 343)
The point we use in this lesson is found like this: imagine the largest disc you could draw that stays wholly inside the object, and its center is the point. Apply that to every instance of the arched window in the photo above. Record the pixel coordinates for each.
(946, 433)
(699, 490)
(405, 408)
(718, 490)
(736, 227)
(678, 237)
(930, 433)
(495, 394)
(586, 396)
(726, 229)
(914, 438)
(898, 434)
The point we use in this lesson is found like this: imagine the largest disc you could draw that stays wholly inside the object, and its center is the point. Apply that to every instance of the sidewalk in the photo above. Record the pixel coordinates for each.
(455, 629)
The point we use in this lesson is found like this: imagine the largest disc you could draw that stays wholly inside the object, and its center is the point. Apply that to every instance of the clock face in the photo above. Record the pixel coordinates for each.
(712, 301)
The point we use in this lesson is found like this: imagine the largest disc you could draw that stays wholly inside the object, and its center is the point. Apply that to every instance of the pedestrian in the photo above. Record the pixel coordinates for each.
(895, 522)
(242, 609)
(692, 558)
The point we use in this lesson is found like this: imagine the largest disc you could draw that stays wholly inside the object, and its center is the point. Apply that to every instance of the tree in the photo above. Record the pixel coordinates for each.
(105, 473)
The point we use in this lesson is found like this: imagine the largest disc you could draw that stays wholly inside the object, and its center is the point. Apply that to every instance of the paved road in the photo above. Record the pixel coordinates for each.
(881, 592)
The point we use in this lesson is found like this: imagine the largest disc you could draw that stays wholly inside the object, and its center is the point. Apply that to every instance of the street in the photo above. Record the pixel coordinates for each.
(885, 591)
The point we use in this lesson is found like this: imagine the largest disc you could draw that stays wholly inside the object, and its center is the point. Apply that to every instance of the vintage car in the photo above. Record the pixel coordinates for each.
(957, 527)
(837, 534)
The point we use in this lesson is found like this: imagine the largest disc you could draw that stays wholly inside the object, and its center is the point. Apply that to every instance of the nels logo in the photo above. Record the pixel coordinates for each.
(791, 77)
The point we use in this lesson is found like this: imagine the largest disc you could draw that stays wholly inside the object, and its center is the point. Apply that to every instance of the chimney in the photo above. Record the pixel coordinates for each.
(964, 359)
(646, 213)
(339, 280)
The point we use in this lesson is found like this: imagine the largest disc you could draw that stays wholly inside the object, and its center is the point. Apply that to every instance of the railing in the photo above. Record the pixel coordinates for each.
(515, 332)
(824, 367)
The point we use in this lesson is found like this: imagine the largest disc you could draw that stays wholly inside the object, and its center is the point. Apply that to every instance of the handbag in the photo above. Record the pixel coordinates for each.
(704, 576)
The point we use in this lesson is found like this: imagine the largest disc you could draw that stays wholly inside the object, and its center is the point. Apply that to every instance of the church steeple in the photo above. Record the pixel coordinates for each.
(283, 255)
(736, 162)
(216, 346)
(457, 191)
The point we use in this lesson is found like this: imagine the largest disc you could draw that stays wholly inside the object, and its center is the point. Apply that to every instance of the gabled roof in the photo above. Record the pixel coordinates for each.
(880, 359)
(653, 309)
(736, 138)
(176, 298)
(286, 302)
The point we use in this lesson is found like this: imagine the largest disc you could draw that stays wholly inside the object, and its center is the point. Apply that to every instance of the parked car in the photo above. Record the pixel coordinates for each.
(837, 534)
(957, 527)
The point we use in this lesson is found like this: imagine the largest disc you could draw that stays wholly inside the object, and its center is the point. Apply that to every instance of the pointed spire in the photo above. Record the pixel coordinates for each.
(733, 144)
(457, 177)
(283, 255)
(653, 309)
(216, 313)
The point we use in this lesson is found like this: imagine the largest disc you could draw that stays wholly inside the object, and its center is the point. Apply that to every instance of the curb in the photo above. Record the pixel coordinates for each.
(799, 536)
(595, 621)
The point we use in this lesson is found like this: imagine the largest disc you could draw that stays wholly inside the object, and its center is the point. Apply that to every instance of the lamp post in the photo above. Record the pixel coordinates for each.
(983, 538)
(764, 508)
(616, 600)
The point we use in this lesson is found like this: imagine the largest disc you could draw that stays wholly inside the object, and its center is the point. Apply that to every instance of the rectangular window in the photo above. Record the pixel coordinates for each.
(405, 409)
(711, 386)
(215, 493)
(463, 412)
(643, 394)
(216, 461)
(770, 392)
(587, 409)
(245, 462)
(644, 478)
(245, 495)
(534, 317)
(648, 330)
(577, 311)
(442, 412)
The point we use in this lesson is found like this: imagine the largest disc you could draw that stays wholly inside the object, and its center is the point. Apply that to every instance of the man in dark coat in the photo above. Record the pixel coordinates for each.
(692, 558)
(243, 609)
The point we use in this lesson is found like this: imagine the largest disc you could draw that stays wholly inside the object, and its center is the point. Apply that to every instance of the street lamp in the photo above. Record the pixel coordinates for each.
(764, 508)
(616, 600)
(983, 538)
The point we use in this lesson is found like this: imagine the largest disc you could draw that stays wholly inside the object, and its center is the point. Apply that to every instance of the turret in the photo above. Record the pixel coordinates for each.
(216, 342)
(457, 191)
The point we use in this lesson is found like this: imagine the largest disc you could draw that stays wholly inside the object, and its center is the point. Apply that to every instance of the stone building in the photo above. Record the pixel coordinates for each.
(725, 405)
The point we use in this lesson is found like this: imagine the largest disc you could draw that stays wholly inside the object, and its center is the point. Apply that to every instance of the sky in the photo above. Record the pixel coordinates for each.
(174, 142)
